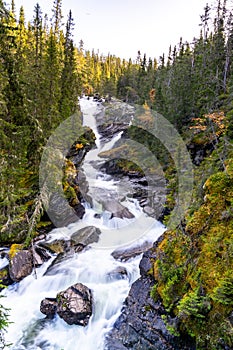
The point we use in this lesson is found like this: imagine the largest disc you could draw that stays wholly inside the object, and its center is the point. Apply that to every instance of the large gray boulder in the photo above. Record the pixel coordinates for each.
(61, 213)
(74, 305)
(85, 236)
(21, 265)
(117, 209)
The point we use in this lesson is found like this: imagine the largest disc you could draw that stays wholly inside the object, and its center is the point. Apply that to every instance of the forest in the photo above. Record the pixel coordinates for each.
(42, 74)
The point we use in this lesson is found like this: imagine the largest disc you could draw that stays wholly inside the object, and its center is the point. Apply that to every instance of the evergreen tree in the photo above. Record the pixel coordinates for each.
(69, 81)
(57, 16)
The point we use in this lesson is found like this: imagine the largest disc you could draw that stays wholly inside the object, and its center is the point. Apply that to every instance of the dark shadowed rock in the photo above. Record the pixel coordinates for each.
(74, 305)
(21, 265)
(40, 255)
(5, 277)
(96, 97)
(107, 131)
(85, 236)
(48, 307)
(140, 326)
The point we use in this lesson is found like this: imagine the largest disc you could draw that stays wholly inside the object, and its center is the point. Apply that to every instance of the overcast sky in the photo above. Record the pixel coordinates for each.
(123, 27)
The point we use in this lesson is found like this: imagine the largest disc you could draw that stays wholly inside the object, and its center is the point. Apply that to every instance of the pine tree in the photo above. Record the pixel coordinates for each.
(69, 81)
(57, 16)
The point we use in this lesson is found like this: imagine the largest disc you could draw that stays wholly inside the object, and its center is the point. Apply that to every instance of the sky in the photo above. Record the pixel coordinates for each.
(123, 27)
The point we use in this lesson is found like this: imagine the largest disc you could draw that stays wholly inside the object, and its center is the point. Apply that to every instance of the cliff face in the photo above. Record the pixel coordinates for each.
(141, 325)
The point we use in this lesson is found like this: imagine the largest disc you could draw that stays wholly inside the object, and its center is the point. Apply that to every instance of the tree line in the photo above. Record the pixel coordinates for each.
(42, 74)
(194, 79)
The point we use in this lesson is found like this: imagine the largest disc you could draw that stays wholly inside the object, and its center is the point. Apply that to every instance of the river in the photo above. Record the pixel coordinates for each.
(29, 329)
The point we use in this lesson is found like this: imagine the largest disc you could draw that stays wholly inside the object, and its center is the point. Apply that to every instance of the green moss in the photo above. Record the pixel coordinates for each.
(147, 308)
(3, 274)
(14, 249)
(154, 293)
(193, 272)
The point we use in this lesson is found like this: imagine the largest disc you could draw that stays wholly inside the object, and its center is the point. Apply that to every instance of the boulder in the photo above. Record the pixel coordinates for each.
(118, 273)
(5, 277)
(55, 246)
(74, 305)
(85, 236)
(83, 186)
(21, 265)
(61, 213)
(48, 307)
(107, 131)
(117, 209)
(96, 97)
(131, 252)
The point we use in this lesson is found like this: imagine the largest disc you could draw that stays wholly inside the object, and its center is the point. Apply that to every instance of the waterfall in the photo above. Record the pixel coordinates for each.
(29, 329)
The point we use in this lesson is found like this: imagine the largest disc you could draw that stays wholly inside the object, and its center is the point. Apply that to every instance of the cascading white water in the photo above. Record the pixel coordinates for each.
(29, 329)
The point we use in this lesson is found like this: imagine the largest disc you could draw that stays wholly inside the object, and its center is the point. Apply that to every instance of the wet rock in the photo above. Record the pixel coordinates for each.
(83, 186)
(44, 229)
(108, 98)
(116, 112)
(85, 236)
(97, 216)
(87, 142)
(96, 97)
(118, 273)
(66, 210)
(145, 263)
(140, 326)
(5, 277)
(57, 265)
(61, 213)
(74, 305)
(76, 155)
(148, 210)
(56, 246)
(117, 209)
(111, 167)
(107, 131)
(128, 253)
(42, 236)
(32, 334)
(40, 255)
(48, 307)
(21, 265)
